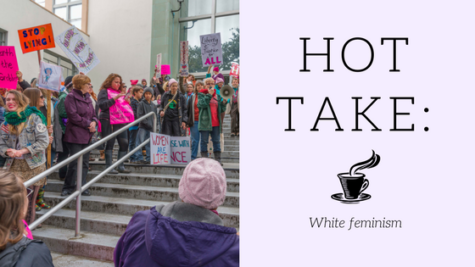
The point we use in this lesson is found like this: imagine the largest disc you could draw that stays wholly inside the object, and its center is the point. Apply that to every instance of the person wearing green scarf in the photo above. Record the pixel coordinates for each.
(23, 141)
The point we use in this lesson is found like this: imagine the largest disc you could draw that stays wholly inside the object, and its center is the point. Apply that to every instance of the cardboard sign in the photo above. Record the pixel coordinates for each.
(159, 149)
(159, 65)
(234, 70)
(180, 150)
(36, 38)
(50, 77)
(77, 50)
(211, 49)
(8, 67)
(184, 59)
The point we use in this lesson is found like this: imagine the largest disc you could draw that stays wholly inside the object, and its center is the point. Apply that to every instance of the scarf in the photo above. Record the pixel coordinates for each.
(12, 118)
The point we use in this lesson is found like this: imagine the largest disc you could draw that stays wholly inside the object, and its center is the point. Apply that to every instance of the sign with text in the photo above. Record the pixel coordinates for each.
(8, 67)
(159, 149)
(180, 150)
(211, 49)
(184, 59)
(159, 65)
(50, 77)
(77, 50)
(36, 38)
(234, 70)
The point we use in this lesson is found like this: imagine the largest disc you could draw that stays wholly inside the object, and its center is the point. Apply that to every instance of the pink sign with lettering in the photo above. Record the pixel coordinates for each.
(8, 67)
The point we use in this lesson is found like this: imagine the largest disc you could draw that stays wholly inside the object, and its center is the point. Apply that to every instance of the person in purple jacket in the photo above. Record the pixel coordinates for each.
(80, 127)
(188, 233)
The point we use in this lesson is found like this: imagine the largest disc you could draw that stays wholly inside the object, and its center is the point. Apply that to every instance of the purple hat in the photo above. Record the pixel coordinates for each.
(219, 80)
(216, 69)
(203, 184)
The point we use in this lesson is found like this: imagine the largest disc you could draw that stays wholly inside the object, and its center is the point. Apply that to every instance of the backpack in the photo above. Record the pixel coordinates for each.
(9, 257)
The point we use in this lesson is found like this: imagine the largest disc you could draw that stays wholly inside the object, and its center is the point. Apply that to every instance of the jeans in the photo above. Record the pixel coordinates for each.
(71, 176)
(215, 137)
(171, 127)
(142, 135)
(132, 145)
(195, 139)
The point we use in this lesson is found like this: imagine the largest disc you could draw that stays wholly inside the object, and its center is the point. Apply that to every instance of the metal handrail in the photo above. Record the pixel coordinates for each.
(79, 187)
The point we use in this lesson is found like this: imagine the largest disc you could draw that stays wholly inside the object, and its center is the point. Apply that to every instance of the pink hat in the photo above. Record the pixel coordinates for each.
(219, 80)
(171, 81)
(203, 184)
(134, 82)
(216, 69)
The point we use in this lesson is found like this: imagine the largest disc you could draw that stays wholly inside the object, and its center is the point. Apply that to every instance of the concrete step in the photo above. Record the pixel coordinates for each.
(223, 159)
(90, 245)
(128, 207)
(167, 194)
(224, 154)
(146, 179)
(95, 222)
(231, 142)
(63, 260)
(231, 169)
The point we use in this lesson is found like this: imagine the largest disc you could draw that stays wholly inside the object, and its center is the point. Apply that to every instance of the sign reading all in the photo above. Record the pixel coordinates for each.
(211, 49)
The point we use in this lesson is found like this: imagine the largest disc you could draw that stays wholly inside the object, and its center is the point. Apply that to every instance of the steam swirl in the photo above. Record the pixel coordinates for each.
(368, 164)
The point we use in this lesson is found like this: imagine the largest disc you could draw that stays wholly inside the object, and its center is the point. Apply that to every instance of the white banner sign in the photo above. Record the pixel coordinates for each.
(180, 149)
(184, 59)
(50, 77)
(159, 65)
(165, 149)
(211, 50)
(77, 50)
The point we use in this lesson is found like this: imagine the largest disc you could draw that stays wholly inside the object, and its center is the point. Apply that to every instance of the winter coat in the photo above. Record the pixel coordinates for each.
(219, 75)
(34, 137)
(80, 115)
(182, 108)
(104, 104)
(26, 253)
(178, 234)
(144, 108)
(2, 115)
(204, 123)
(62, 110)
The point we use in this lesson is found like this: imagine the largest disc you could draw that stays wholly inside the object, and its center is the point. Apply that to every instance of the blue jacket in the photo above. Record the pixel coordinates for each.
(188, 236)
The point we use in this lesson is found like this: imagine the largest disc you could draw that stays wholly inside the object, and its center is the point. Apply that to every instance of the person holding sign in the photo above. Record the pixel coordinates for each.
(173, 110)
(211, 107)
(115, 114)
(23, 141)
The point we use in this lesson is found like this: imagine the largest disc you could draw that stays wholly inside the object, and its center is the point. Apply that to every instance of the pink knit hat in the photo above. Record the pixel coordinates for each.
(203, 184)
(216, 69)
(134, 82)
(171, 81)
(219, 80)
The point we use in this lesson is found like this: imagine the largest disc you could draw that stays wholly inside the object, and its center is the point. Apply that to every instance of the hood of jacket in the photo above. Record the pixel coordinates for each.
(182, 234)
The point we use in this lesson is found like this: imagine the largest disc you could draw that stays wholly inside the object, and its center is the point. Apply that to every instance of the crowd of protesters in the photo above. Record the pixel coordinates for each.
(79, 118)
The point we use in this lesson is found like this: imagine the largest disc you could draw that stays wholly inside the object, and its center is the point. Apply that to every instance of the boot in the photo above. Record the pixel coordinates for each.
(204, 154)
(121, 168)
(103, 155)
(217, 157)
(108, 156)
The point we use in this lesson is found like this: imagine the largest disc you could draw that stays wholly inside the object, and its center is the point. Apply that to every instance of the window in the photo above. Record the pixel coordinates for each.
(40, 2)
(3, 37)
(69, 10)
(197, 18)
(68, 68)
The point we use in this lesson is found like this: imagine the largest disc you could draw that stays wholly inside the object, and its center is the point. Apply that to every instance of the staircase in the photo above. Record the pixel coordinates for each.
(106, 213)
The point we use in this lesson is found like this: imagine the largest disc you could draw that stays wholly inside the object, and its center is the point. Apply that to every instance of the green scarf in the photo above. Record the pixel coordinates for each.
(13, 118)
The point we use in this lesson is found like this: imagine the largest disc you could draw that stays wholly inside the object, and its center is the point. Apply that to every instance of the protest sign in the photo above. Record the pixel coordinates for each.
(77, 50)
(50, 77)
(180, 150)
(184, 59)
(36, 38)
(211, 50)
(121, 112)
(159, 65)
(165, 70)
(8, 67)
(159, 149)
(234, 70)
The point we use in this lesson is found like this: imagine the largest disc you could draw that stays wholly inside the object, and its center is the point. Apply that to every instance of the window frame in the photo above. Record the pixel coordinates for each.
(59, 59)
(5, 36)
(67, 5)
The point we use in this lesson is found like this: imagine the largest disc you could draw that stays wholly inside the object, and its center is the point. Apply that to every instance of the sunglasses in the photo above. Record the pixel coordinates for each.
(29, 192)
(42, 97)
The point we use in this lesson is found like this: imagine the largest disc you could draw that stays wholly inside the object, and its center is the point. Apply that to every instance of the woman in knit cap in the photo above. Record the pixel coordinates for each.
(188, 233)
(173, 110)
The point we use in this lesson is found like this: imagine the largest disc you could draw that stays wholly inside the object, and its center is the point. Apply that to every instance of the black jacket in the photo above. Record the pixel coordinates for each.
(182, 108)
(104, 104)
(191, 111)
(144, 108)
(26, 253)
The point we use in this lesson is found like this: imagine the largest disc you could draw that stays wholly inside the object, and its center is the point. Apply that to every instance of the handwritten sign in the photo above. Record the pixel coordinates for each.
(180, 150)
(234, 70)
(159, 65)
(211, 49)
(77, 50)
(159, 149)
(50, 77)
(8, 67)
(36, 38)
(184, 59)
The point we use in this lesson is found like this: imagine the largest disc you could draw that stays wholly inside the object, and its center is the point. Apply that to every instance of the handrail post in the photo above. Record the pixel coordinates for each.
(78, 198)
(155, 118)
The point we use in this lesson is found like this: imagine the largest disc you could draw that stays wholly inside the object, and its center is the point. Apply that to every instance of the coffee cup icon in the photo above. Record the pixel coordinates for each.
(354, 183)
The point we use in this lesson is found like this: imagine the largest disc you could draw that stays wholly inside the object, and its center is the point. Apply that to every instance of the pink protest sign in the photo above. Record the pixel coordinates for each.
(121, 111)
(166, 69)
(234, 70)
(8, 67)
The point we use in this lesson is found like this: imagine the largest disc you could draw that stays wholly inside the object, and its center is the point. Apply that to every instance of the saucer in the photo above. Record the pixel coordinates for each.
(341, 197)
